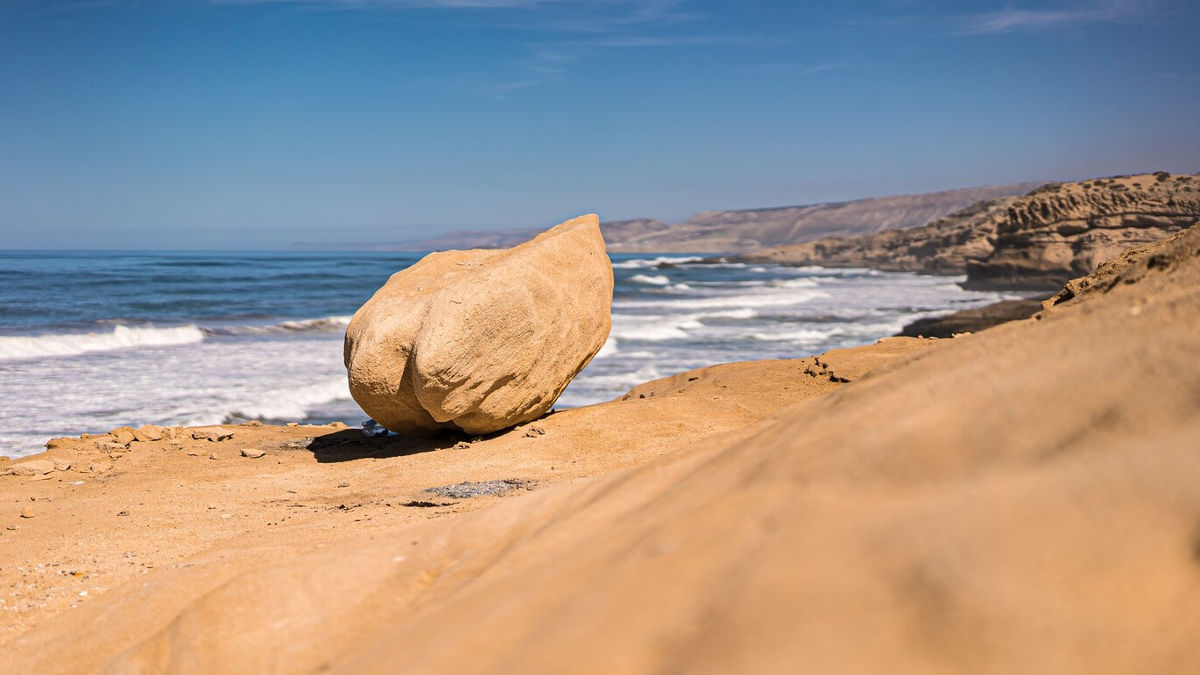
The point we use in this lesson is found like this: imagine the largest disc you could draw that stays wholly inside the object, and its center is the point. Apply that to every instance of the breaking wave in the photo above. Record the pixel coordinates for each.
(73, 344)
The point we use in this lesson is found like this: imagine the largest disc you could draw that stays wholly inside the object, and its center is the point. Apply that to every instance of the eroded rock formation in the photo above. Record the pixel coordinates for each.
(1062, 231)
(482, 340)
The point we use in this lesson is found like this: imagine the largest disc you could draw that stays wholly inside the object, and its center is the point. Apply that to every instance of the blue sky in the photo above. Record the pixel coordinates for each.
(257, 123)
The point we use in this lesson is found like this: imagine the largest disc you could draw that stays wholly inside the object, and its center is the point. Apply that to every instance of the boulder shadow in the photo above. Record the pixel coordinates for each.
(350, 444)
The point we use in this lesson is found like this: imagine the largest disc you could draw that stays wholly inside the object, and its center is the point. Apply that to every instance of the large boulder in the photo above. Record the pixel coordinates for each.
(482, 340)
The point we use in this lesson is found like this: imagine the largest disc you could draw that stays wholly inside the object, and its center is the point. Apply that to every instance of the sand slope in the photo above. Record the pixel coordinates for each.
(1026, 499)
(165, 514)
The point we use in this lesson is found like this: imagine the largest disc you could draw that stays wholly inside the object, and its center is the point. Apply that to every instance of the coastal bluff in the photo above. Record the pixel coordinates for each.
(1036, 242)
(865, 510)
(482, 340)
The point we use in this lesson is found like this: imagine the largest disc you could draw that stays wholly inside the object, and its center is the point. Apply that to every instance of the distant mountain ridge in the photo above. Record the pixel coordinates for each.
(746, 230)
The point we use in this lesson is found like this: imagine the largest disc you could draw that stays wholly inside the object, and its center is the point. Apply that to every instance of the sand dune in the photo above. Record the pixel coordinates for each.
(1025, 499)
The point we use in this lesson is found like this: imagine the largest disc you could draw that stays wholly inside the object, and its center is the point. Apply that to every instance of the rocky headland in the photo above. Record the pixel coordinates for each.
(745, 230)
(1036, 242)
(867, 510)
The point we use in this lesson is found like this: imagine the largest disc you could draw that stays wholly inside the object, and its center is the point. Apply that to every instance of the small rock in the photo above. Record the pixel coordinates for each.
(12, 528)
(225, 516)
(123, 435)
(122, 513)
(214, 434)
(461, 445)
(252, 453)
(293, 424)
(212, 455)
(148, 432)
(534, 431)
(26, 511)
(61, 464)
(35, 467)
(109, 445)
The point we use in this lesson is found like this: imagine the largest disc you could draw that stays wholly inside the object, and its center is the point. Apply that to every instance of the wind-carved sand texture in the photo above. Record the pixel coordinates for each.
(1025, 499)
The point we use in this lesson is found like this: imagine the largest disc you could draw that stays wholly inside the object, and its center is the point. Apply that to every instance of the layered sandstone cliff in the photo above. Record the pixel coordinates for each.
(748, 230)
(1062, 231)
(1035, 242)
(941, 247)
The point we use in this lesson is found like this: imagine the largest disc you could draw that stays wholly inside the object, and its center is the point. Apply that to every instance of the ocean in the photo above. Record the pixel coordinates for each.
(92, 340)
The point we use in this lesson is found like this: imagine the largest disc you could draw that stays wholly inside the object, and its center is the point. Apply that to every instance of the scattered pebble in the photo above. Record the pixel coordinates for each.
(12, 528)
(534, 431)
(26, 511)
(212, 455)
(341, 485)
(122, 513)
(61, 464)
(252, 453)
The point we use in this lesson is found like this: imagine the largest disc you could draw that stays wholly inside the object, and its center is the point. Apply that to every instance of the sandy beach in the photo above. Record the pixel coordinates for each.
(1023, 498)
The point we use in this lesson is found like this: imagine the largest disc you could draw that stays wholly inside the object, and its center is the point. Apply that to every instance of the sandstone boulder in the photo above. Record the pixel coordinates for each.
(482, 340)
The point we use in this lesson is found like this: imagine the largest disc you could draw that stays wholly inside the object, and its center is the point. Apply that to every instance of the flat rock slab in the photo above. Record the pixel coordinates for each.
(487, 488)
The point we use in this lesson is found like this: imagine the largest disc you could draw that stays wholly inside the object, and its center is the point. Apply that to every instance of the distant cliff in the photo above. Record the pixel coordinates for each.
(748, 230)
(1035, 242)
(1066, 230)
(941, 247)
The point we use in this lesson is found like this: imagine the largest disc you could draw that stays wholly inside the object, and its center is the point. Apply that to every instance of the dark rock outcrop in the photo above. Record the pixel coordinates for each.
(973, 320)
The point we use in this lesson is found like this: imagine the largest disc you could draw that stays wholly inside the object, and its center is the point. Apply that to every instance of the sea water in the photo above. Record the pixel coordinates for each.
(94, 340)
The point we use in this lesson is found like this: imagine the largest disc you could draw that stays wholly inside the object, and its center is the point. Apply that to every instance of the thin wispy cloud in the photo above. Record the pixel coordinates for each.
(796, 68)
(1011, 19)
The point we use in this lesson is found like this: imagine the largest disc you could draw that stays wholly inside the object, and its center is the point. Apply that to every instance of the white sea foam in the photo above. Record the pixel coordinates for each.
(802, 336)
(747, 300)
(639, 263)
(609, 348)
(652, 279)
(74, 344)
(289, 403)
(328, 323)
(656, 328)
(795, 283)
